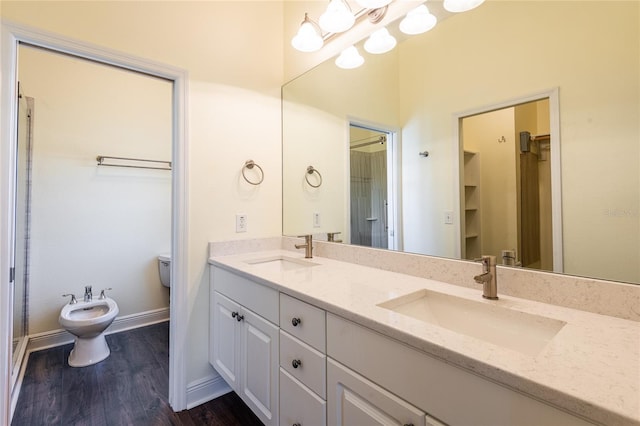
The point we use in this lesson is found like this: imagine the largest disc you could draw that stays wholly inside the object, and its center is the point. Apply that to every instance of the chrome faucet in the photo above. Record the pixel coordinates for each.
(488, 278)
(88, 295)
(307, 246)
(331, 237)
(73, 298)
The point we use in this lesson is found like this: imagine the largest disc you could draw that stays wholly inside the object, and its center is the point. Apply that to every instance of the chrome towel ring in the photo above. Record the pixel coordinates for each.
(311, 170)
(250, 164)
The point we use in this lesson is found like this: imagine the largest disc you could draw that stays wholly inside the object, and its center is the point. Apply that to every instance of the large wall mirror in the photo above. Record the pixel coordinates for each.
(485, 73)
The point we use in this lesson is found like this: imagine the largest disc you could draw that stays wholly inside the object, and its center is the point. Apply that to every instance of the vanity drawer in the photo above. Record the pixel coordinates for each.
(299, 405)
(259, 298)
(304, 363)
(304, 321)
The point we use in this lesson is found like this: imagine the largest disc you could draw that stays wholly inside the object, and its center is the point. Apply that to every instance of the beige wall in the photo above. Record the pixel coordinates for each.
(233, 53)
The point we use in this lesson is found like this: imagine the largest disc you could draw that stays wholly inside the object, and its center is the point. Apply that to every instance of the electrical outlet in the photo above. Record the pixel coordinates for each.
(448, 217)
(316, 220)
(241, 223)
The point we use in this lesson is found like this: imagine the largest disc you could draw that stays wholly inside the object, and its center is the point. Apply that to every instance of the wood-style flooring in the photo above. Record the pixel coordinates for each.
(128, 388)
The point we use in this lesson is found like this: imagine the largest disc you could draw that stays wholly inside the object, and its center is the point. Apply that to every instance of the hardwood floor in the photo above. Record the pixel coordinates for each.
(128, 388)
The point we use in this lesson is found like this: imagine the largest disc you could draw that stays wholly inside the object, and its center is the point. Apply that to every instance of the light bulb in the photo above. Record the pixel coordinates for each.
(373, 4)
(461, 5)
(337, 18)
(350, 58)
(308, 38)
(380, 42)
(418, 21)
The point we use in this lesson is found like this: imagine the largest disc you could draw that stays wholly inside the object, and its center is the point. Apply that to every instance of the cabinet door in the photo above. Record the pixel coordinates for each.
(259, 357)
(354, 400)
(225, 348)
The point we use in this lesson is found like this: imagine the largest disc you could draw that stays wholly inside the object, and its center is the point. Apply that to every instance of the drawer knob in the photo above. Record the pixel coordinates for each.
(295, 321)
(296, 363)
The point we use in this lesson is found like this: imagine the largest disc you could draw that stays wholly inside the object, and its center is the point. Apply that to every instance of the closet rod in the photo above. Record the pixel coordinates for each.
(102, 158)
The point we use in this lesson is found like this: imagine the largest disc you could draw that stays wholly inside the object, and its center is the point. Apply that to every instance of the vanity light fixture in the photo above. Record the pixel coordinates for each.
(337, 18)
(308, 38)
(461, 5)
(373, 4)
(380, 41)
(349, 59)
(418, 21)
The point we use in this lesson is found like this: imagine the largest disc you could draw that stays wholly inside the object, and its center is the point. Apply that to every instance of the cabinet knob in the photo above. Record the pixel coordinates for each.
(408, 424)
(295, 321)
(296, 424)
(296, 363)
(234, 314)
(239, 317)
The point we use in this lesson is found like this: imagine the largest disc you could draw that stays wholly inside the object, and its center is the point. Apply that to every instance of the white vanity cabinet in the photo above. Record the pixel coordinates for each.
(446, 393)
(245, 345)
(302, 363)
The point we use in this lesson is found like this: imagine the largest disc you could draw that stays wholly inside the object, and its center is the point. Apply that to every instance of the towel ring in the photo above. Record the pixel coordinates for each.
(311, 170)
(249, 164)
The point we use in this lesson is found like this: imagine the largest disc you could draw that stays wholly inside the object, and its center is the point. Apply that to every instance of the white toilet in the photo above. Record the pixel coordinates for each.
(164, 266)
(87, 321)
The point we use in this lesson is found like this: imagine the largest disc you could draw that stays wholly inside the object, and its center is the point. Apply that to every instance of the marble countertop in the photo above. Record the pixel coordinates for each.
(591, 367)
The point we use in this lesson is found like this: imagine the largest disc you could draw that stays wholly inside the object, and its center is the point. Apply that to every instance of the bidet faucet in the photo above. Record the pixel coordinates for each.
(307, 246)
(73, 298)
(88, 295)
(488, 278)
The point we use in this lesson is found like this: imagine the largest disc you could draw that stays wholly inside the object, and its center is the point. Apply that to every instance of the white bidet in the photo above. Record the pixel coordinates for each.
(87, 321)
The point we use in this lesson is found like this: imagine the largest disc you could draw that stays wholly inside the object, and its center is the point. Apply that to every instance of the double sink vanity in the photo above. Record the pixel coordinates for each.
(323, 341)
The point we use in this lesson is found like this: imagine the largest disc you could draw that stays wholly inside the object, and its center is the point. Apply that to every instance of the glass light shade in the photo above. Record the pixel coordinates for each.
(418, 21)
(380, 42)
(349, 58)
(337, 18)
(308, 38)
(373, 4)
(461, 5)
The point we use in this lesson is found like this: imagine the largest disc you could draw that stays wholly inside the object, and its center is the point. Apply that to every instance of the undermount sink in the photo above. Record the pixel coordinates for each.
(519, 331)
(280, 263)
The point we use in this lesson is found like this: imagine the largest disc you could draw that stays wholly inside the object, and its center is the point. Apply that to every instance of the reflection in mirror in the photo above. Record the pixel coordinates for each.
(506, 174)
(496, 53)
(371, 188)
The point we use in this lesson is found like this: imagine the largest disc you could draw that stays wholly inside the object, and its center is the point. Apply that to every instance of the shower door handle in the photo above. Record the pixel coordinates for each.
(385, 215)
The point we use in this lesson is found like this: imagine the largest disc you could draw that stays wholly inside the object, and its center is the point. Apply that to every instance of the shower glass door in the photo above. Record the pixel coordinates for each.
(23, 189)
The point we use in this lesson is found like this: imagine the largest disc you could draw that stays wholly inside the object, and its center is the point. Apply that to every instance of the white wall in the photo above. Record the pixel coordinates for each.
(233, 53)
(91, 225)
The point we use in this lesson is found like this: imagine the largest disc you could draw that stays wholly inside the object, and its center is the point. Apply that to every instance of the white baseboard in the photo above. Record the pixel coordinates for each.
(53, 338)
(206, 389)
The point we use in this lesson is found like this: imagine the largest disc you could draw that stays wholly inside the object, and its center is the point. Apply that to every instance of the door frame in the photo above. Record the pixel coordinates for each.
(11, 35)
(394, 194)
(556, 169)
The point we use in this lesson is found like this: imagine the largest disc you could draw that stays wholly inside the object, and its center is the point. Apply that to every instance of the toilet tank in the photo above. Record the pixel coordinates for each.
(164, 266)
